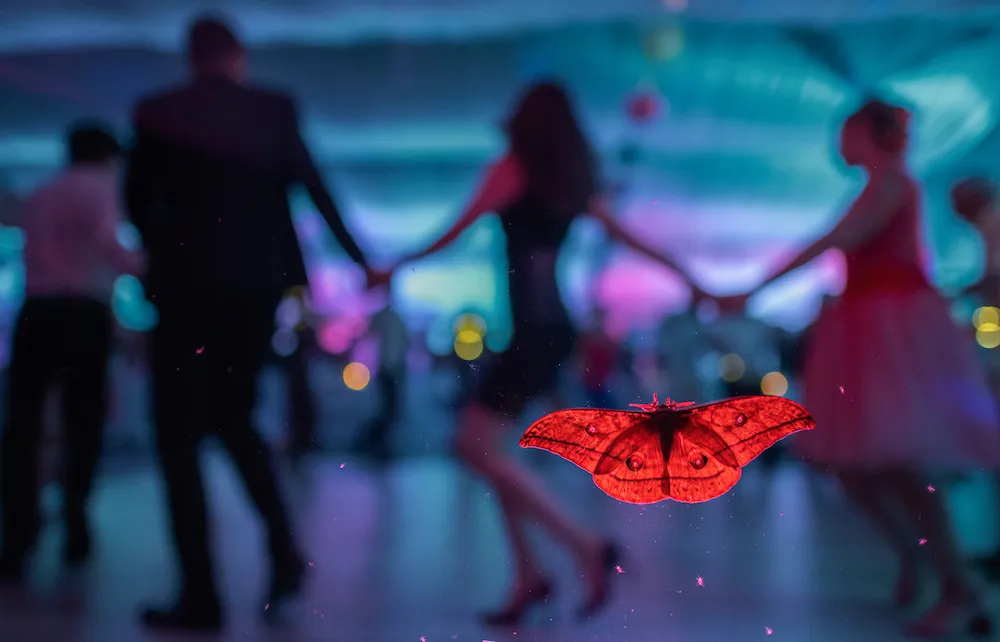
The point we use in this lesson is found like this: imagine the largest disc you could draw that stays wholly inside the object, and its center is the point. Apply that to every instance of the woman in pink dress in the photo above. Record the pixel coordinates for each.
(892, 382)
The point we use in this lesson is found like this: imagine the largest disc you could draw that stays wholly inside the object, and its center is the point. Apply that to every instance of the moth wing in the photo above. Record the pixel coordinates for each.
(752, 424)
(581, 435)
(634, 468)
(700, 466)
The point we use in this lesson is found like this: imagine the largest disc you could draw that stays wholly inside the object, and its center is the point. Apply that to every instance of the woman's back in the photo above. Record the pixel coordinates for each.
(535, 234)
(895, 255)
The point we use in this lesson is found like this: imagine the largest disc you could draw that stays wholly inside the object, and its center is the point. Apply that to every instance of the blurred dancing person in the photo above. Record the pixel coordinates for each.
(208, 190)
(390, 381)
(546, 178)
(893, 383)
(302, 411)
(600, 356)
(975, 200)
(63, 334)
(297, 320)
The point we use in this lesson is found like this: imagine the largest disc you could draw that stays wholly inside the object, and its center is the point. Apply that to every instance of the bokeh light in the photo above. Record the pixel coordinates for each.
(284, 342)
(470, 323)
(290, 314)
(357, 376)
(988, 335)
(468, 345)
(986, 317)
(732, 368)
(774, 384)
(130, 307)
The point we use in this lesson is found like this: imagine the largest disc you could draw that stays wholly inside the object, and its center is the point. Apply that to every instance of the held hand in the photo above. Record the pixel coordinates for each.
(698, 296)
(733, 304)
(378, 278)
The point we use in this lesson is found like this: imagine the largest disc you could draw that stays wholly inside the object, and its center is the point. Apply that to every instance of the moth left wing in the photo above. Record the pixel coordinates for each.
(634, 467)
(581, 435)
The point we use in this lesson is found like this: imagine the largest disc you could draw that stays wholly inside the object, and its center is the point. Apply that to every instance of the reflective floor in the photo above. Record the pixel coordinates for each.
(413, 551)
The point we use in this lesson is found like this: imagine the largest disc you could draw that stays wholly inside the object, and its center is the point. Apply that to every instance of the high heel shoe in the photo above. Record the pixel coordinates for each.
(516, 611)
(611, 562)
(947, 619)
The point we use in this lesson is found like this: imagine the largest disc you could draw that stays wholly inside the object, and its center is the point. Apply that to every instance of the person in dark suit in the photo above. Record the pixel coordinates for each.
(207, 188)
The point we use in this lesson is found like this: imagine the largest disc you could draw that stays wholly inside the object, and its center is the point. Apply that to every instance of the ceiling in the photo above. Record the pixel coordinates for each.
(63, 23)
(401, 99)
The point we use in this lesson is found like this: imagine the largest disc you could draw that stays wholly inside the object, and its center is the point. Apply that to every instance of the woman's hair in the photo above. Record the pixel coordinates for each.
(889, 125)
(555, 155)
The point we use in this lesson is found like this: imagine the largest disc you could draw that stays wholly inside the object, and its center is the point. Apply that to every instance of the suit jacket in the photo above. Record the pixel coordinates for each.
(207, 187)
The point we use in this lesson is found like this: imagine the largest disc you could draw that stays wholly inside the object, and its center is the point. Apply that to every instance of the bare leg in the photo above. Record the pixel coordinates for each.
(958, 605)
(521, 499)
(528, 573)
(865, 491)
(927, 511)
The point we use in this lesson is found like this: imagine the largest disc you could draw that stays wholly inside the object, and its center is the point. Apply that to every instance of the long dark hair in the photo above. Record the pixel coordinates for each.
(548, 142)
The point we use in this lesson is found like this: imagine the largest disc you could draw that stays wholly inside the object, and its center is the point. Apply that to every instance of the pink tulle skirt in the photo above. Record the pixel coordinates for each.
(892, 381)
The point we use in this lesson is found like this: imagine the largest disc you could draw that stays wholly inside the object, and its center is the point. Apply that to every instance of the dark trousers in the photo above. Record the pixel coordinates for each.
(57, 339)
(302, 410)
(206, 353)
(391, 387)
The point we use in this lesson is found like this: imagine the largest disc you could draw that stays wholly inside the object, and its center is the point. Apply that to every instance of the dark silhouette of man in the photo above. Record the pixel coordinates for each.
(207, 188)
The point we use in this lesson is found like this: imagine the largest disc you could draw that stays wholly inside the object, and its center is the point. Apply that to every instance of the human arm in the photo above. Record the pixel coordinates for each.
(102, 227)
(870, 214)
(306, 173)
(600, 209)
(503, 183)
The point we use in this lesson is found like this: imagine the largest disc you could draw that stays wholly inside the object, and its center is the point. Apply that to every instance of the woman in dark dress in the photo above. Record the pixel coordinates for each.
(546, 179)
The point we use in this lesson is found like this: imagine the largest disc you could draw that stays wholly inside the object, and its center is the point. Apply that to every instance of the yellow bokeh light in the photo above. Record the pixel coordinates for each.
(468, 336)
(986, 316)
(732, 368)
(470, 323)
(468, 350)
(774, 384)
(356, 376)
(988, 335)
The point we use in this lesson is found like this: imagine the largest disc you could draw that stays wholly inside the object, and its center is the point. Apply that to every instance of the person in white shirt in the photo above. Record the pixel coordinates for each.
(390, 380)
(63, 335)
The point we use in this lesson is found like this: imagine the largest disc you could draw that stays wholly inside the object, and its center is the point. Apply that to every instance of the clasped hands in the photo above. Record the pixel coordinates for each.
(733, 304)
(379, 277)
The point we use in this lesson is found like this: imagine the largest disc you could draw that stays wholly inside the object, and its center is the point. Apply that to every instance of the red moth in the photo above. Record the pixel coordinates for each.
(681, 451)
